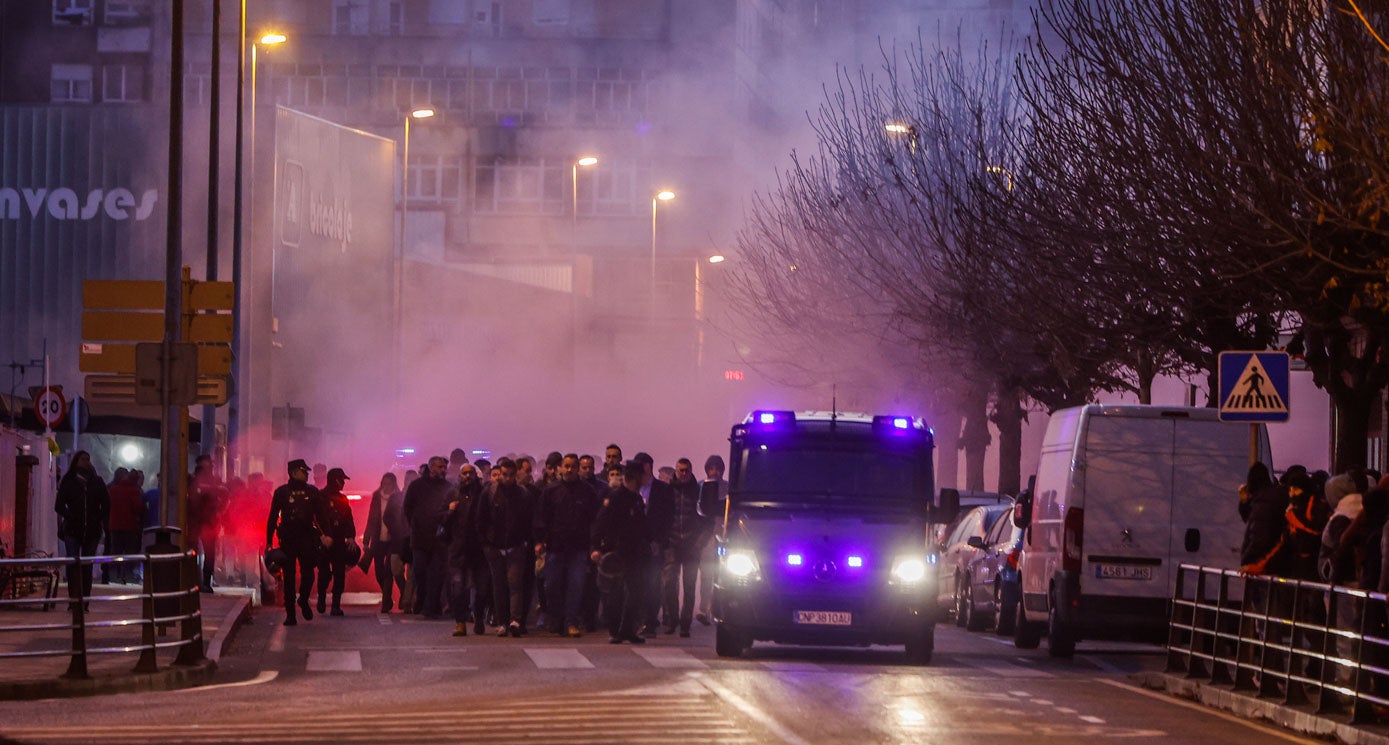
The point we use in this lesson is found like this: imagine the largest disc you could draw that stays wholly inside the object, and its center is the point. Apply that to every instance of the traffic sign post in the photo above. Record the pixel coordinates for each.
(50, 407)
(1254, 388)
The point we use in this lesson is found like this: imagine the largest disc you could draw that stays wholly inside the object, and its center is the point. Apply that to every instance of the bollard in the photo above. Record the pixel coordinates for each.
(77, 668)
(191, 652)
(164, 574)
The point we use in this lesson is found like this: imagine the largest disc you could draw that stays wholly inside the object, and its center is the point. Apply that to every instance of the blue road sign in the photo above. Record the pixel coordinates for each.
(1254, 386)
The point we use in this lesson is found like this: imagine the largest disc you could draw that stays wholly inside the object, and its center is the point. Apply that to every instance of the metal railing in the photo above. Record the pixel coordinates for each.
(170, 595)
(1304, 643)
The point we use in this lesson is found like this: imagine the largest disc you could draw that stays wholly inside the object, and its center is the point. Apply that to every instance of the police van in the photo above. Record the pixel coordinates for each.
(824, 538)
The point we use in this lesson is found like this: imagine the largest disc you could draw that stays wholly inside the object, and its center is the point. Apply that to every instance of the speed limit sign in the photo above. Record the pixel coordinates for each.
(50, 406)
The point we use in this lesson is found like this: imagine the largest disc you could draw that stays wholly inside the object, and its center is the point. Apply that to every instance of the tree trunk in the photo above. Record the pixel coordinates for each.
(1145, 370)
(1352, 427)
(975, 439)
(948, 449)
(1008, 416)
(1346, 360)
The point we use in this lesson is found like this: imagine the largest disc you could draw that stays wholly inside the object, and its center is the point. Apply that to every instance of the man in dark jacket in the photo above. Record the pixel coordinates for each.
(621, 545)
(464, 550)
(563, 525)
(505, 519)
(384, 539)
(686, 531)
(1262, 551)
(339, 530)
(83, 508)
(293, 517)
(657, 497)
(426, 505)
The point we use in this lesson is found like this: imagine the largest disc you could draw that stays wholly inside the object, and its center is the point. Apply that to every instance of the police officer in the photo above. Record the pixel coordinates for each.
(292, 517)
(621, 536)
(339, 535)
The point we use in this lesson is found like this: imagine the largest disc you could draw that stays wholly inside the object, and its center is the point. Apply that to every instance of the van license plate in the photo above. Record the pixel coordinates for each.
(1123, 571)
(825, 617)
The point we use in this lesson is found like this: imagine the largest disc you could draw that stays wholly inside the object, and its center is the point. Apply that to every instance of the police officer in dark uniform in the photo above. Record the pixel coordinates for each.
(293, 517)
(621, 536)
(339, 536)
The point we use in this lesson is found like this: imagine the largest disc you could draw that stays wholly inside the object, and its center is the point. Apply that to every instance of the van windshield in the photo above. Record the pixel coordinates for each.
(851, 478)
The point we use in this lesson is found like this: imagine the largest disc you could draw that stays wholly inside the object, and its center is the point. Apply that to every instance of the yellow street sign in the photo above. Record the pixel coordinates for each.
(120, 389)
(123, 294)
(120, 358)
(117, 326)
(139, 294)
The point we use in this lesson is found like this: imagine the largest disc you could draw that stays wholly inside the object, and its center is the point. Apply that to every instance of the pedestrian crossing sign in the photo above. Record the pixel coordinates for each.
(1254, 386)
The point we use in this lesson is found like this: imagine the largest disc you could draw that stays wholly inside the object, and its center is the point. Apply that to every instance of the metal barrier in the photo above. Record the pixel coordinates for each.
(160, 609)
(1306, 643)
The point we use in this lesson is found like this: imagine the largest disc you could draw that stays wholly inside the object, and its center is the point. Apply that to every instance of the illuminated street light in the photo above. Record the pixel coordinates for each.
(585, 161)
(716, 259)
(664, 195)
(421, 114)
(898, 128)
(1007, 175)
(399, 299)
(269, 40)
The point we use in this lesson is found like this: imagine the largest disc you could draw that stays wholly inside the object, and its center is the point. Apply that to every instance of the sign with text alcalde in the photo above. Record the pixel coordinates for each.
(1254, 386)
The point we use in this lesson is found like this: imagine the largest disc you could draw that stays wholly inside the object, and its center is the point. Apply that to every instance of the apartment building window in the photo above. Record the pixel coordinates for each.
(551, 12)
(351, 17)
(435, 179)
(72, 12)
(119, 12)
(522, 186)
(395, 17)
(71, 84)
(488, 17)
(122, 83)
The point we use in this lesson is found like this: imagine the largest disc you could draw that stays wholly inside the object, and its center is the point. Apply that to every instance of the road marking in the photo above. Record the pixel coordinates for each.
(1208, 710)
(1041, 702)
(277, 638)
(321, 661)
(558, 659)
(384, 620)
(1007, 669)
(669, 658)
(1092, 720)
(445, 667)
(787, 666)
(1064, 710)
(752, 711)
(1005, 641)
(1104, 665)
(1020, 694)
(265, 677)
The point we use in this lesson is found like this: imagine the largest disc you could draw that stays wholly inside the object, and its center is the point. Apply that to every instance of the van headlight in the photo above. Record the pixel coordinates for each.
(909, 570)
(741, 564)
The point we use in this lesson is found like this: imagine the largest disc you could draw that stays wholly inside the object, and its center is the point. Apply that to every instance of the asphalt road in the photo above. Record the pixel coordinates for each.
(368, 678)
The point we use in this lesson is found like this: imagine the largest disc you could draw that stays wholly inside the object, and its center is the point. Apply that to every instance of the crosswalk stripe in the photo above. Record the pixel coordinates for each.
(667, 657)
(346, 661)
(558, 659)
(786, 666)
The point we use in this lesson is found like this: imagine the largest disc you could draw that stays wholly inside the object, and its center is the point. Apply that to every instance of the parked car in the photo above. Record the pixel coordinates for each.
(951, 503)
(991, 583)
(956, 553)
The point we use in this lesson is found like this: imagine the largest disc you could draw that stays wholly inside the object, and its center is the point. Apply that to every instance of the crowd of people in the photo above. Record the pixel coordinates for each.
(579, 547)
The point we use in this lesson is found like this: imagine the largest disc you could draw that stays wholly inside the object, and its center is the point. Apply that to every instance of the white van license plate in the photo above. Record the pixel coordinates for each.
(1123, 571)
(825, 617)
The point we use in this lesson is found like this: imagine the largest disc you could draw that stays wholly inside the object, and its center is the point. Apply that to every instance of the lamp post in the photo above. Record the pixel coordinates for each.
(399, 300)
(665, 195)
(899, 128)
(238, 198)
(585, 161)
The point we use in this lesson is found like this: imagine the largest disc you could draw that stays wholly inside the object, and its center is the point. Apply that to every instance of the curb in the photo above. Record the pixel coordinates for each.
(238, 615)
(168, 679)
(1249, 707)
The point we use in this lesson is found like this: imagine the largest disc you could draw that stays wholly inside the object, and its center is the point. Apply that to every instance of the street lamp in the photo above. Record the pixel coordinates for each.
(399, 300)
(899, 128)
(269, 39)
(585, 161)
(665, 195)
(1007, 175)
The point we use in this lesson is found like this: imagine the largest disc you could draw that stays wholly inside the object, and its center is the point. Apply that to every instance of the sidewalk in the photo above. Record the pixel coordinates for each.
(1301, 719)
(27, 678)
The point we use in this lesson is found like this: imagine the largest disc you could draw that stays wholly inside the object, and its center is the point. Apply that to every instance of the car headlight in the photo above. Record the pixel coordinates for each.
(909, 570)
(741, 564)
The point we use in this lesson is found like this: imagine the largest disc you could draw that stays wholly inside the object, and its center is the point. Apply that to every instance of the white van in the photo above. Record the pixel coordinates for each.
(1122, 496)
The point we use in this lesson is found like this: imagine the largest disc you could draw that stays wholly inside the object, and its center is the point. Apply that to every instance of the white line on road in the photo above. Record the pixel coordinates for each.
(384, 620)
(265, 677)
(1020, 694)
(669, 658)
(277, 639)
(752, 711)
(1092, 720)
(558, 659)
(1064, 710)
(445, 667)
(788, 666)
(1008, 670)
(337, 662)
(1207, 710)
